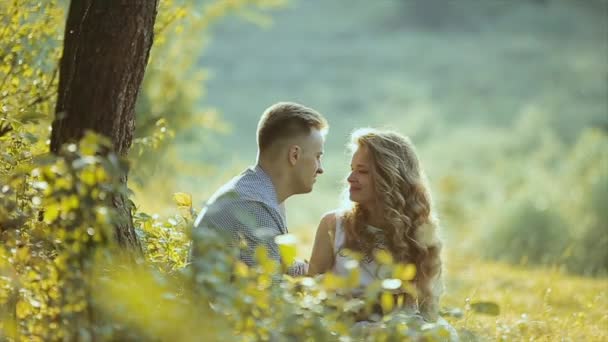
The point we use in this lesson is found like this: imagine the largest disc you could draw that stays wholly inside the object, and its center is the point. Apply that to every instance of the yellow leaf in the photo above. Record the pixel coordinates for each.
(287, 248)
(383, 257)
(353, 278)
(23, 254)
(51, 212)
(241, 269)
(404, 272)
(288, 254)
(101, 174)
(333, 282)
(182, 199)
(387, 302)
(9, 328)
(23, 309)
(88, 176)
(15, 82)
(267, 264)
(70, 202)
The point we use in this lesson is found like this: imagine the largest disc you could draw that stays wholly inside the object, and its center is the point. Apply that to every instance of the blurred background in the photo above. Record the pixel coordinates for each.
(506, 101)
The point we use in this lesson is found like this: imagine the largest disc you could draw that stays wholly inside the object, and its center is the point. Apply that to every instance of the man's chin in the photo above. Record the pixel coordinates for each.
(305, 190)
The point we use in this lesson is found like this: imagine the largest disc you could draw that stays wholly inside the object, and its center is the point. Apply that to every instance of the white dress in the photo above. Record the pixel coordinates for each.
(369, 272)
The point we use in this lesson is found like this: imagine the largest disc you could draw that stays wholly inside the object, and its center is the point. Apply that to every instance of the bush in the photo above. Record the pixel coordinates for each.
(528, 231)
(558, 212)
(586, 202)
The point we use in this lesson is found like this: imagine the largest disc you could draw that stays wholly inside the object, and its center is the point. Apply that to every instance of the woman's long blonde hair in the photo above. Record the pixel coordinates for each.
(402, 195)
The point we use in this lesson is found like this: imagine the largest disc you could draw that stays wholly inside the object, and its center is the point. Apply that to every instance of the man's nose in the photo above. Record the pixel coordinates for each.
(320, 170)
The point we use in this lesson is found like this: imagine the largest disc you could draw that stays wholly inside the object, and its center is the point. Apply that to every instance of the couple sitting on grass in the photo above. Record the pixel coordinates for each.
(390, 204)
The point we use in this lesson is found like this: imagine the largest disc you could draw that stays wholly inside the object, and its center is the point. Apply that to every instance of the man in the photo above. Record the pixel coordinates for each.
(250, 208)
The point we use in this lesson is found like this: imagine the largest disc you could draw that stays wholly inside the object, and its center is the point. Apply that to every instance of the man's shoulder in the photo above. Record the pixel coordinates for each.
(248, 185)
(243, 199)
(227, 191)
(230, 202)
(231, 209)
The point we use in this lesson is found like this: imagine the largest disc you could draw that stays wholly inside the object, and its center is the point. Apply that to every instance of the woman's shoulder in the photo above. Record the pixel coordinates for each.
(329, 220)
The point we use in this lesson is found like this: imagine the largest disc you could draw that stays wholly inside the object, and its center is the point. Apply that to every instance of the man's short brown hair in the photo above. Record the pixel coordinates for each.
(287, 119)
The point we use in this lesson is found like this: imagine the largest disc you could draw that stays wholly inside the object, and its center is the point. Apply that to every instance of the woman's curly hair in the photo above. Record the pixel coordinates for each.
(410, 226)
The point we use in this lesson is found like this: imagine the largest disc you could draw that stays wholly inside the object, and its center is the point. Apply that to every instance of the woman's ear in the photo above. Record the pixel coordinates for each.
(294, 154)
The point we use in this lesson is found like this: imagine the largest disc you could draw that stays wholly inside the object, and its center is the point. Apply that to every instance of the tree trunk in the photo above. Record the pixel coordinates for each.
(106, 48)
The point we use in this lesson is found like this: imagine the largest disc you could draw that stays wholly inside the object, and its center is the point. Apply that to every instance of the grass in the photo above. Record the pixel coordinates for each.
(537, 304)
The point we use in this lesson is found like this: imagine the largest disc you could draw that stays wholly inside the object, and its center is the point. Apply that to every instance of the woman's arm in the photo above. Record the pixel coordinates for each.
(322, 258)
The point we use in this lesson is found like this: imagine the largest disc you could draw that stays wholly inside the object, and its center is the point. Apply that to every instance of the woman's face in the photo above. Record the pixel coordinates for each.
(361, 188)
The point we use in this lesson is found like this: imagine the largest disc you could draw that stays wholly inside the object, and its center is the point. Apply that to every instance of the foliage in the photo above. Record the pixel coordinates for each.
(528, 232)
(63, 278)
(585, 179)
(556, 213)
(58, 212)
(29, 51)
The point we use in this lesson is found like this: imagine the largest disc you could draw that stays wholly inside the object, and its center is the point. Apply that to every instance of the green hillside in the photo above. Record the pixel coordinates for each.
(451, 76)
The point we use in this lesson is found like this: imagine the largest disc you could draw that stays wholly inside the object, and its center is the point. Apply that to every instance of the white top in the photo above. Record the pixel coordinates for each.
(368, 270)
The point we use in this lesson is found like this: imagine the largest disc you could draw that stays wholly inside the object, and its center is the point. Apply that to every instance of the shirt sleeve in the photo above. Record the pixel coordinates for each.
(250, 222)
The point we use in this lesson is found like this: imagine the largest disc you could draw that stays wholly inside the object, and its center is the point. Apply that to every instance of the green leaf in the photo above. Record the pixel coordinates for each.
(487, 308)
(32, 117)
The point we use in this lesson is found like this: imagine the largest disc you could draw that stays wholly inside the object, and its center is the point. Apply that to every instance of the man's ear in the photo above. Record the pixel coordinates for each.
(294, 154)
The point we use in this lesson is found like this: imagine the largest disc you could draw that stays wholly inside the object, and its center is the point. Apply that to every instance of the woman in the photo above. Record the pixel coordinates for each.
(389, 209)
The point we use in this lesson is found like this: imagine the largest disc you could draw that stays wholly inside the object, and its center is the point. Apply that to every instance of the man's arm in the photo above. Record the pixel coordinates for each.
(263, 232)
(250, 222)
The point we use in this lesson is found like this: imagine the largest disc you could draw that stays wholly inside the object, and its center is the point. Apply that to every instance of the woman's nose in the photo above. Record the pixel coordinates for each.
(351, 178)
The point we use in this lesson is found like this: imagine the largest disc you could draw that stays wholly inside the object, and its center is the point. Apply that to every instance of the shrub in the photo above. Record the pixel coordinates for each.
(528, 231)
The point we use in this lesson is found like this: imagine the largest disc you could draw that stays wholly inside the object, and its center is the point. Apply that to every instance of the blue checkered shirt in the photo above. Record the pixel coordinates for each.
(246, 208)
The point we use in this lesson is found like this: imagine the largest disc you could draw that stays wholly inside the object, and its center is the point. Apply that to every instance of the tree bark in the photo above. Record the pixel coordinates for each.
(106, 48)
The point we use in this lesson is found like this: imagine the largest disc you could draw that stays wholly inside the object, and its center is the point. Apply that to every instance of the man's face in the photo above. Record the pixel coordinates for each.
(308, 164)
(361, 186)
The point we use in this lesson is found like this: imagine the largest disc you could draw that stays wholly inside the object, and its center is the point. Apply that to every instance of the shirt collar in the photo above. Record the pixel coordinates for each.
(257, 185)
